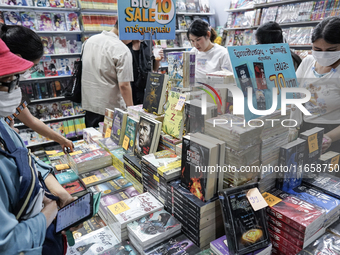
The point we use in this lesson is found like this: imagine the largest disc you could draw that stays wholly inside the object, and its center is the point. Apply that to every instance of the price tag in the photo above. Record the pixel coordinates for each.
(126, 143)
(108, 132)
(118, 208)
(62, 167)
(156, 178)
(75, 153)
(313, 143)
(51, 152)
(270, 199)
(180, 103)
(334, 163)
(256, 199)
(90, 179)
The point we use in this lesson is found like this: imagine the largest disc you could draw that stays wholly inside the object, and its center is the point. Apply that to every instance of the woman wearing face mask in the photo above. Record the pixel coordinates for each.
(320, 74)
(27, 44)
(27, 207)
(210, 57)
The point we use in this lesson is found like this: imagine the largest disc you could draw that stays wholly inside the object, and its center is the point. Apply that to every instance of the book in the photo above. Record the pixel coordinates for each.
(111, 187)
(72, 22)
(173, 123)
(246, 229)
(314, 144)
(66, 177)
(72, 46)
(42, 3)
(327, 243)
(148, 134)
(70, 3)
(99, 240)
(12, 18)
(99, 176)
(329, 159)
(204, 6)
(59, 23)
(153, 228)
(89, 226)
(50, 68)
(154, 98)
(125, 247)
(54, 110)
(328, 183)
(76, 188)
(130, 134)
(44, 21)
(118, 126)
(60, 44)
(197, 155)
(179, 244)
(180, 6)
(57, 3)
(67, 108)
(28, 19)
(47, 42)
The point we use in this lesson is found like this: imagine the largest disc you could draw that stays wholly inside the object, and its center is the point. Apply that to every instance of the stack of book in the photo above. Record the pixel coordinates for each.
(327, 183)
(111, 187)
(133, 170)
(111, 199)
(158, 169)
(313, 148)
(108, 120)
(129, 210)
(326, 244)
(93, 224)
(167, 142)
(153, 229)
(99, 176)
(294, 223)
(201, 221)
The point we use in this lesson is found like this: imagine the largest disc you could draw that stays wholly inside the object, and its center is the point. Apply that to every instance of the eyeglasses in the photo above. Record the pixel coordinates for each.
(12, 84)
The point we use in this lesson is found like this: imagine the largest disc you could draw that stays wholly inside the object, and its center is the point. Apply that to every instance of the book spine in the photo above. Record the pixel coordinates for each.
(294, 224)
(284, 242)
(289, 236)
(133, 174)
(136, 167)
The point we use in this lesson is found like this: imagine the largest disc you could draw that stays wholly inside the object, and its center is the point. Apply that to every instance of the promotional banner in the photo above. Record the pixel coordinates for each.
(137, 18)
(266, 69)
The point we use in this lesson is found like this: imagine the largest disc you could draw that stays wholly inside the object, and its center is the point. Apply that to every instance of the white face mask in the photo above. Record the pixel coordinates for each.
(326, 58)
(9, 102)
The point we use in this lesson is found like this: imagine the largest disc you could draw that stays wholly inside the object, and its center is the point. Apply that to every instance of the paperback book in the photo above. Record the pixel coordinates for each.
(130, 134)
(111, 187)
(118, 126)
(99, 176)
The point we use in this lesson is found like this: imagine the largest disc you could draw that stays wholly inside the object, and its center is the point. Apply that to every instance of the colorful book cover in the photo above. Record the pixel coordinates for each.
(176, 245)
(54, 110)
(57, 3)
(154, 226)
(130, 134)
(328, 183)
(70, 3)
(48, 44)
(175, 69)
(44, 21)
(112, 186)
(118, 126)
(97, 241)
(72, 46)
(122, 248)
(59, 23)
(60, 44)
(50, 68)
(72, 22)
(89, 226)
(146, 133)
(73, 187)
(173, 122)
(103, 174)
(12, 18)
(63, 66)
(67, 108)
(42, 3)
(28, 19)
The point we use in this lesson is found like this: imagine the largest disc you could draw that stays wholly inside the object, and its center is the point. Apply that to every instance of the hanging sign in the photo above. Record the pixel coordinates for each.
(137, 18)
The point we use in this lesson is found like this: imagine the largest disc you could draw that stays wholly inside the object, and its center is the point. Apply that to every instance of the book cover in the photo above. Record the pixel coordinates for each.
(50, 68)
(66, 177)
(204, 6)
(181, 6)
(112, 186)
(147, 136)
(57, 3)
(101, 175)
(28, 20)
(73, 187)
(60, 44)
(72, 46)
(326, 244)
(118, 126)
(173, 123)
(42, 3)
(54, 110)
(155, 226)
(48, 44)
(175, 68)
(176, 245)
(59, 23)
(125, 247)
(154, 98)
(55, 88)
(97, 241)
(243, 77)
(160, 158)
(63, 67)
(328, 183)
(44, 21)
(89, 226)
(314, 143)
(130, 134)
(12, 18)
(72, 22)
(67, 108)
(191, 5)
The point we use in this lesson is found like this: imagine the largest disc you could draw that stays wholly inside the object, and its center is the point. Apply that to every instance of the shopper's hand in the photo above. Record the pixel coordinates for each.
(293, 134)
(11, 124)
(67, 145)
(50, 210)
(65, 199)
(326, 143)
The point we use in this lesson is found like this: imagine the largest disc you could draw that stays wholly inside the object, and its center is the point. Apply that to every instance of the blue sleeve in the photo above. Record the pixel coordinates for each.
(26, 236)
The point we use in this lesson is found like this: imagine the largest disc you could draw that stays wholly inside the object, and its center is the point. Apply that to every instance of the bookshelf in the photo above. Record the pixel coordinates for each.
(35, 8)
(278, 3)
(239, 9)
(47, 99)
(195, 13)
(47, 78)
(54, 120)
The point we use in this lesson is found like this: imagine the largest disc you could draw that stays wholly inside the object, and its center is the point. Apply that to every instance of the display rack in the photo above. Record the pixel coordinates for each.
(53, 120)
(75, 138)
(47, 78)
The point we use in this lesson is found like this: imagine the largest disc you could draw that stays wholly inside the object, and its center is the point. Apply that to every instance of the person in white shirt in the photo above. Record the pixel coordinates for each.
(210, 57)
(320, 74)
(107, 72)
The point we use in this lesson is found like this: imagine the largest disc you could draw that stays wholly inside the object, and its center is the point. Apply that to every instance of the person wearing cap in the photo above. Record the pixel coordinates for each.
(27, 44)
(27, 208)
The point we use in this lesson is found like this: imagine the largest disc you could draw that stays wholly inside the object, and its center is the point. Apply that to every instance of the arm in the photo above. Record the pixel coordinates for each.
(126, 91)
(334, 134)
(156, 63)
(40, 127)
